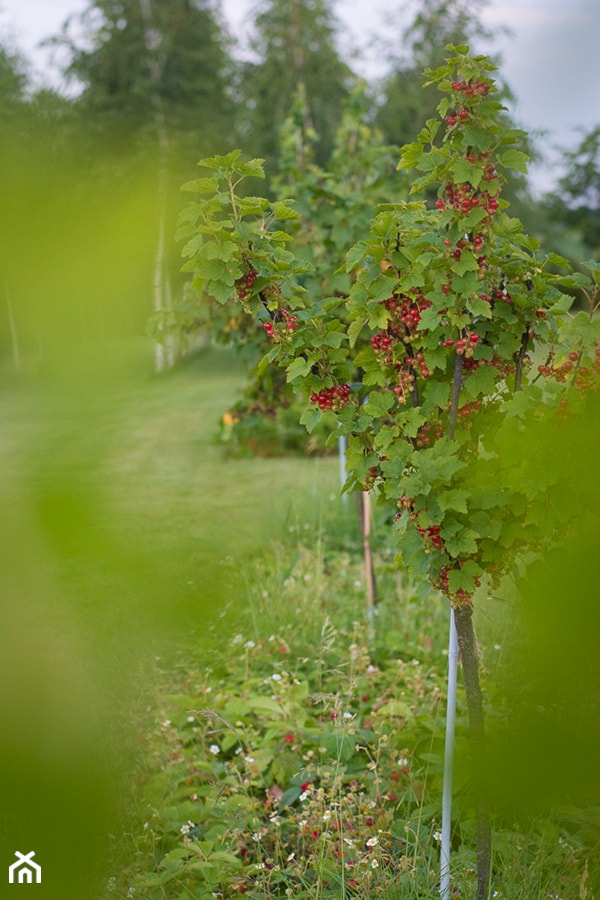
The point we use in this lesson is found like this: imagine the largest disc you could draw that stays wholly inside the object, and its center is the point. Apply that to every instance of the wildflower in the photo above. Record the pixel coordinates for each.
(191, 718)
(249, 759)
(130, 892)
(303, 796)
(237, 639)
(437, 836)
(185, 829)
(166, 723)
(256, 837)
(276, 676)
(249, 645)
(372, 842)
(111, 883)
(275, 820)
(349, 841)
(291, 857)
(403, 762)
(214, 749)
(374, 863)
(327, 815)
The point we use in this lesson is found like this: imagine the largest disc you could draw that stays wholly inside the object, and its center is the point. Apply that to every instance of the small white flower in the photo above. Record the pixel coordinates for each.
(191, 718)
(275, 820)
(349, 841)
(403, 762)
(249, 645)
(239, 751)
(165, 723)
(437, 836)
(303, 823)
(291, 857)
(327, 815)
(372, 842)
(374, 863)
(214, 749)
(111, 884)
(131, 892)
(347, 715)
(259, 866)
(256, 837)
(185, 829)
(276, 676)
(249, 759)
(303, 795)
(237, 639)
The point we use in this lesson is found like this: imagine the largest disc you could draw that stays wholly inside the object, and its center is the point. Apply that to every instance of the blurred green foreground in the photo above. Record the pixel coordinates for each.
(122, 526)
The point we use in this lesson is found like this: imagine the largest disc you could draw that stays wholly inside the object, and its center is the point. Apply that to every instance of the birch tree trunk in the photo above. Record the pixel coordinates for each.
(164, 356)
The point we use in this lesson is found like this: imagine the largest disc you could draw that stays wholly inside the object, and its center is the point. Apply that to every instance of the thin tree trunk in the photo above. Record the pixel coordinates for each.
(469, 657)
(163, 350)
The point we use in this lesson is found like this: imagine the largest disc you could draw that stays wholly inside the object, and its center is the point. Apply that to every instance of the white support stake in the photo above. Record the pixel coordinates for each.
(448, 761)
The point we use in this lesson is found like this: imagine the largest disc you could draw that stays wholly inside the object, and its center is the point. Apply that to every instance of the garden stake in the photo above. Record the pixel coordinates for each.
(448, 761)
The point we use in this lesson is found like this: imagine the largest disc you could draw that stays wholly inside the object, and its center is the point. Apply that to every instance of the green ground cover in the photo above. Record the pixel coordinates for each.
(209, 688)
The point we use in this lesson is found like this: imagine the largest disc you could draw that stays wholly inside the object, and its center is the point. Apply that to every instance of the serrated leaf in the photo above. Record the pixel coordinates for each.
(455, 499)
(201, 185)
(354, 329)
(379, 403)
(299, 368)
(310, 417)
(283, 212)
(514, 159)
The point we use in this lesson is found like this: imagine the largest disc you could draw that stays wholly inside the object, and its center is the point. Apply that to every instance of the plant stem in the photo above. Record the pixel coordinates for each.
(456, 386)
(467, 643)
(519, 357)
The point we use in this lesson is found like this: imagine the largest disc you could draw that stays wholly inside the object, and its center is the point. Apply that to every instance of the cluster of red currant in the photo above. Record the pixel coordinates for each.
(245, 284)
(461, 116)
(432, 534)
(334, 397)
(406, 381)
(418, 361)
(410, 311)
(464, 346)
(428, 432)
(288, 325)
(472, 89)
(381, 342)
(463, 198)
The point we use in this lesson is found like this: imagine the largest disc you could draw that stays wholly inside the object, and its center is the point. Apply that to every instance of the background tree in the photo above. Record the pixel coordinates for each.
(294, 42)
(155, 78)
(405, 103)
(576, 202)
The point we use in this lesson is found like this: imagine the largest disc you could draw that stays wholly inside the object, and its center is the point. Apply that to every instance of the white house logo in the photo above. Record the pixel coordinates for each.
(24, 870)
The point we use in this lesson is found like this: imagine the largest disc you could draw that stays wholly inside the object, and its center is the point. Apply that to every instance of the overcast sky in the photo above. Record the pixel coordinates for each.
(550, 59)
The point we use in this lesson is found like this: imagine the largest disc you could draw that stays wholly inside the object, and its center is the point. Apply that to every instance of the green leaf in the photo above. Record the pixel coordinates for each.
(220, 162)
(310, 418)
(514, 159)
(202, 185)
(481, 381)
(479, 307)
(299, 368)
(379, 403)
(354, 329)
(455, 499)
(463, 543)
(283, 212)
